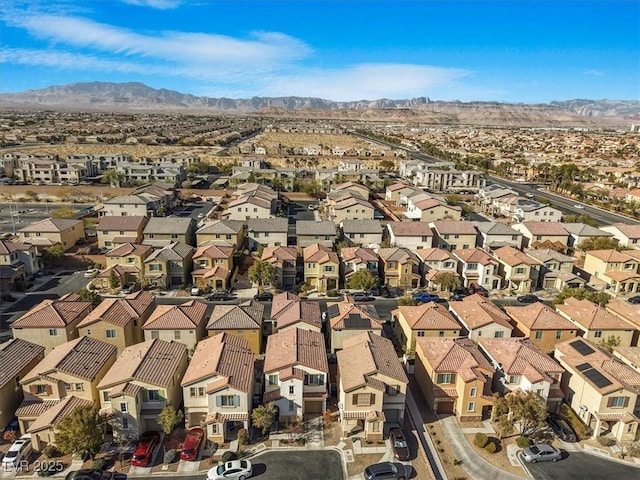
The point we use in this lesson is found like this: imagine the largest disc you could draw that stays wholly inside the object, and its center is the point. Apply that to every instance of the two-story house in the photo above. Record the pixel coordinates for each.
(218, 386)
(321, 267)
(66, 378)
(52, 322)
(543, 235)
(212, 266)
(425, 320)
(492, 235)
(372, 385)
(555, 269)
(516, 269)
(579, 232)
(17, 357)
(290, 311)
(627, 235)
(114, 231)
(244, 320)
(541, 324)
(394, 191)
(433, 262)
(145, 379)
(477, 266)
(422, 207)
(169, 265)
(357, 189)
(601, 390)
(161, 231)
(267, 232)
(352, 208)
(52, 231)
(354, 259)
(411, 235)
(347, 319)
(184, 323)
(618, 270)
(309, 232)
(454, 377)
(128, 255)
(481, 318)
(628, 312)
(399, 267)
(285, 262)
(119, 321)
(454, 235)
(596, 323)
(250, 206)
(18, 263)
(296, 373)
(361, 232)
(520, 365)
(221, 232)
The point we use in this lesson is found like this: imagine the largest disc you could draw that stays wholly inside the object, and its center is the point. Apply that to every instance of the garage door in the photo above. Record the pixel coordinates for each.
(176, 281)
(314, 406)
(392, 415)
(444, 407)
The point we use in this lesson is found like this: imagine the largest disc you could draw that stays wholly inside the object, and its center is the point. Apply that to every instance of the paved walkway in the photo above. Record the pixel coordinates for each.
(488, 428)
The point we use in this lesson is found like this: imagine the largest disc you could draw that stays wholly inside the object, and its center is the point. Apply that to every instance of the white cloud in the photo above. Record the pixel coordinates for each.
(159, 4)
(594, 72)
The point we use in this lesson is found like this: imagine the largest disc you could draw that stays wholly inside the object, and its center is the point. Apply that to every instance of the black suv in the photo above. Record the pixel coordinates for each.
(385, 471)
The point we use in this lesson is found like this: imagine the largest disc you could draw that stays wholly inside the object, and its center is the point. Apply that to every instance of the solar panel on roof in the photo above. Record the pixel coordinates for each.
(582, 348)
(597, 378)
(333, 311)
(355, 321)
(584, 366)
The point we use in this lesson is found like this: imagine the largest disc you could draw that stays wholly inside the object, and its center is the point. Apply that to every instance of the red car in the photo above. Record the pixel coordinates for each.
(143, 453)
(192, 443)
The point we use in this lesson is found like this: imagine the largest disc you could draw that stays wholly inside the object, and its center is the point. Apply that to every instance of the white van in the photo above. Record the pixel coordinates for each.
(17, 452)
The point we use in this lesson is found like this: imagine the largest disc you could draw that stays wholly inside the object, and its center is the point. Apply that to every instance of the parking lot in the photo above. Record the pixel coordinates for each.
(581, 465)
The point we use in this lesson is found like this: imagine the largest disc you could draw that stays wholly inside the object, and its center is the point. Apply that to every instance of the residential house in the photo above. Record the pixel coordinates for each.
(129, 255)
(145, 378)
(185, 323)
(460, 181)
(555, 269)
(487, 195)
(21, 259)
(422, 207)
(361, 232)
(51, 322)
(221, 232)
(394, 191)
(354, 259)
(372, 386)
(400, 267)
(218, 386)
(321, 267)
(519, 209)
(245, 320)
(347, 319)
(454, 235)
(411, 235)
(433, 262)
(114, 231)
(352, 187)
(160, 231)
(267, 232)
(254, 204)
(212, 266)
(579, 232)
(425, 320)
(627, 235)
(309, 232)
(629, 356)
(134, 205)
(618, 271)
(290, 311)
(66, 378)
(595, 323)
(454, 377)
(169, 265)
(628, 312)
(123, 274)
(17, 357)
(543, 235)
(52, 231)
(284, 260)
(119, 321)
(541, 324)
(477, 266)
(516, 269)
(296, 373)
(519, 365)
(481, 318)
(492, 235)
(351, 208)
(600, 389)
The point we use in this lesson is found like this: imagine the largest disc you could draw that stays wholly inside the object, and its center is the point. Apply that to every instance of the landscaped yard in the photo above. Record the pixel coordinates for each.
(499, 458)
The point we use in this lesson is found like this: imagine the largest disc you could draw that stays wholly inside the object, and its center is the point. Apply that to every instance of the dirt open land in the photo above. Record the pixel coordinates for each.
(294, 139)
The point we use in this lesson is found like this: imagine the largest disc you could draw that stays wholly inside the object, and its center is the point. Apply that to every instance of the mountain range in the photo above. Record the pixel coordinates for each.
(135, 96)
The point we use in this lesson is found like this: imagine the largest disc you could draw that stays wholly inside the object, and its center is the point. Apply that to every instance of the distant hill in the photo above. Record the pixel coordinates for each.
(135, 96)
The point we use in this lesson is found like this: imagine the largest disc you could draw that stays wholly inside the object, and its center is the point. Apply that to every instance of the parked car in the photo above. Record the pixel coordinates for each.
(233, 470)
(528, 298)
(479, 289)
(399, 444)
(541, 452)
(361, 297)
(264, 296)
(562, 429)
(634, 300)
(458, 294)
(13, 426)
(192, 443)
(578, 206)
(385, 470)
(195, 291)
(89, 474)
(220, 296)
(92, 272)
(425, 297)
(129, 288)
(143, 454)
(17, 452)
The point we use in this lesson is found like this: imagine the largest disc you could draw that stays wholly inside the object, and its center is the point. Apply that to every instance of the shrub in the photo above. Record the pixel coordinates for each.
(481, 440)
(633, 452)
(332, 293)
(243, 437)
(229, 456)
(606, 442)
(99, 464)
(169, 456)
(490, 447)
(457, 462)
(50, 451)
(580, 428)
(523, 442)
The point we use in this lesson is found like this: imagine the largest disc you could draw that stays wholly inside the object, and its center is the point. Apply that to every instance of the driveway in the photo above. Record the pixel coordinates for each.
(581, 465)
(299, 464)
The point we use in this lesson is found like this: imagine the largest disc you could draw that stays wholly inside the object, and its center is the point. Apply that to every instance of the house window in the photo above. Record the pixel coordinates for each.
(125, 424)
(105, 396)
(272, 380)
(597, 334)
(201, 391)
(445, 378)
(292, 389)
(520, 270)
(421, 334)
(558, 334)
(499, 334)
(123, 406)
(154, 267)
(513, 379)
(214, 428)
(227, 400)
(441, 333)
(471, 407)
(192, 392)
(176, 334)
(375, 426)
(292, 405)
(131, 260)
(53, 332)
(617, 402)
(174, 235)
(364, 399)
(67, 386)
(538, 335)
(473, 392)
(111, 333)
(228, 237)
(314, 379)
(393, 390)
(472, 266)
(40, 389)
(79, 387)
(328, 268)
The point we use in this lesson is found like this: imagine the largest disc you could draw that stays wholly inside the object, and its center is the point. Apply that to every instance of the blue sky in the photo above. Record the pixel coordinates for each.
(507, 51)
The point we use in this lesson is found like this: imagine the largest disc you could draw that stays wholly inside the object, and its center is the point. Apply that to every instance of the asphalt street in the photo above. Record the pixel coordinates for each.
(581, 466)
(24, 213)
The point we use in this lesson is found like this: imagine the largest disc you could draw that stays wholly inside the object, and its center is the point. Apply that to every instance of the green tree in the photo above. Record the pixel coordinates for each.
(362, 280)
(452, 199)
(64, 212)
(113, 178)
(169, 418)
(407, 301)
(610, 342)
(447, 280)
(89, 296)
(599, 243)
(262, 273)
(528, 411)
(505, 427)
(583, 218)
(387, 165)
(262, 417)
(601, 298)
(81, 431)
(114, 281)
(198, 168)
(53, 256)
